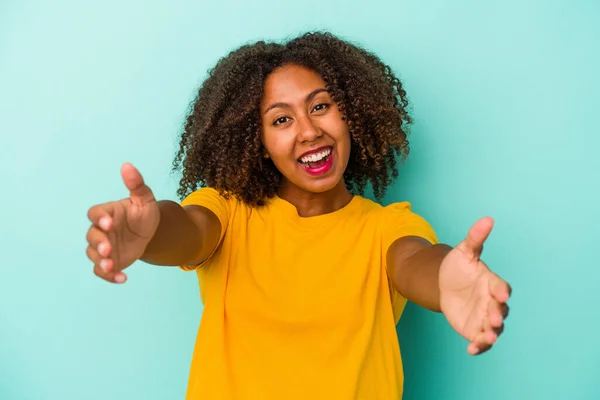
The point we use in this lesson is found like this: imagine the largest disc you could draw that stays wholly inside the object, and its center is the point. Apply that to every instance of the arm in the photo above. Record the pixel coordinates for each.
(140, 228)
(454, 281)
(184, 236)
(413, 266)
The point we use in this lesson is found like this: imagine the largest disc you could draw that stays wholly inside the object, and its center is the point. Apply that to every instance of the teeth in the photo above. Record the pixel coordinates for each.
(316, 157)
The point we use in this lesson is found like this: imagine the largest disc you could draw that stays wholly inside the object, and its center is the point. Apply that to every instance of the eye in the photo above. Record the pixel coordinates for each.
(321, 107)
(280, 120)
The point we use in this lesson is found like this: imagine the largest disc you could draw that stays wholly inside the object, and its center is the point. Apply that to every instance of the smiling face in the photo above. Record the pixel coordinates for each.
(303, 131)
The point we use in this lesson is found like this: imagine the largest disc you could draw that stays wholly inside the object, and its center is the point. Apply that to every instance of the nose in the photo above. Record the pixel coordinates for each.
(307, 130)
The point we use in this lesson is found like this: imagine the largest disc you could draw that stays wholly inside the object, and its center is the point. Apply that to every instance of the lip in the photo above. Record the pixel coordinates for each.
(315, 151)
(322, 169)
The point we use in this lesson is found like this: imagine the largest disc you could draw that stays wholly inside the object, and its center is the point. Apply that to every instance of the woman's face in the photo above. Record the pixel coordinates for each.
(303, 131)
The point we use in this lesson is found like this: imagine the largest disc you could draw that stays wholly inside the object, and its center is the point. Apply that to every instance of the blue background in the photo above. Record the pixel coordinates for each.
(505, 99)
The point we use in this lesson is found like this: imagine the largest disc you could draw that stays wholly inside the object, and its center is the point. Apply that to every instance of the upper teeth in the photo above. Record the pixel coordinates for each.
(316, 156)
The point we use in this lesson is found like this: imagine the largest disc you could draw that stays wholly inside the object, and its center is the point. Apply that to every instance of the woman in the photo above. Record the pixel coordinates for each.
(302, 278)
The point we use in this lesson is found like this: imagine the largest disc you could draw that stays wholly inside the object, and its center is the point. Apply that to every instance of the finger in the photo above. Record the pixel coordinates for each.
(505, 310)
(495, 314)
(482, 343)
(498, 330)
(474, 349)
(102, 216)
(479, 232)
(138, 190)
(490, 335)
(93, 255)
(113, 277)
(499, 289)
(105, 264)
(98, 240)
(477, 349)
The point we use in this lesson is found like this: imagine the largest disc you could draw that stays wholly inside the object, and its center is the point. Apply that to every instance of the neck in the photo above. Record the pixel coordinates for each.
(312, 204)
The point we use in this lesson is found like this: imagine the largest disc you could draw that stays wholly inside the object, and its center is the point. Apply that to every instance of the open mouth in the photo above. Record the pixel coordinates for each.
(316, 160)
(319, 162)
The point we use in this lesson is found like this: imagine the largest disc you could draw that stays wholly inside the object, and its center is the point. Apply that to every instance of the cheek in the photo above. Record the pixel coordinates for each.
(278, 146)
(268, 141)
(345, 154)
(339, 127)
(345, 139)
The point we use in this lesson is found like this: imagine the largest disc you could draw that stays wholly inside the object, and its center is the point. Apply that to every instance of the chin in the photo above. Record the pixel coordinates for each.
(322, 186)
(315, 183)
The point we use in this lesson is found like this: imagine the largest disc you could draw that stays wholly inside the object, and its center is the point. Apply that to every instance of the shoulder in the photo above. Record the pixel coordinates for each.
(398, 219)
(398, 209)
(221, 204)
(367, 206)
(374, 209)
(388, 218)
(201, 195)
(210, 196)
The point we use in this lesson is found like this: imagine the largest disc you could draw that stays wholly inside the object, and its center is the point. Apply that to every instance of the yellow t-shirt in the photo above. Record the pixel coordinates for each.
(300, 308)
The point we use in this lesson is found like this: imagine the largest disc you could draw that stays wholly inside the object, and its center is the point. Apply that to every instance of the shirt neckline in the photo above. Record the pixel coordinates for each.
(289, 211)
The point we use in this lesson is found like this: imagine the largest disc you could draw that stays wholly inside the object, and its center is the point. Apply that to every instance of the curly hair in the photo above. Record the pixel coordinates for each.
(221, 146)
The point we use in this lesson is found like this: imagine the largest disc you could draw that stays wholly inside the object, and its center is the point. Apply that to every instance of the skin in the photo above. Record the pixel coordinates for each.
(297, 116)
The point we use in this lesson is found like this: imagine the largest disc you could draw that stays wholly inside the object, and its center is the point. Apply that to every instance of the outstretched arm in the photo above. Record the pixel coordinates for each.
(414, 266)
(140, 228)
(184, 236)
(454, 281)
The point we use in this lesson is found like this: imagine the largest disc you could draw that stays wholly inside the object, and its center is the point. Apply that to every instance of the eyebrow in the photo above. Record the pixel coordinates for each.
(309, 97)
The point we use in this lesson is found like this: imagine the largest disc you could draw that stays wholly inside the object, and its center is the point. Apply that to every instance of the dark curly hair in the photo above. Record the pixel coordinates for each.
(221, 146)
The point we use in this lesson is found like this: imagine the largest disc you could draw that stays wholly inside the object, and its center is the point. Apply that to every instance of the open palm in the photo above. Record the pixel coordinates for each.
(472, 297)
(122, 229)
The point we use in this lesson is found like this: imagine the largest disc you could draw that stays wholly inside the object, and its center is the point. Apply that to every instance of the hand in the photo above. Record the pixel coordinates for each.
(121, 230)
(472, 297)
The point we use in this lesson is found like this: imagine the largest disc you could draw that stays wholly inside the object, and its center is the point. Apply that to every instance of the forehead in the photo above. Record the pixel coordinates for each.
(291, 82)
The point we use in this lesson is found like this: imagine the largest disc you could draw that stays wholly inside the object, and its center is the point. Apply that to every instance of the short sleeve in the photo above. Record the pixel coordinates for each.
(399, 221)
(212, 200)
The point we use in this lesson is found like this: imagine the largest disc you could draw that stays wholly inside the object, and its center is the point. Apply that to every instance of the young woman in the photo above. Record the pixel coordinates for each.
(302, 278)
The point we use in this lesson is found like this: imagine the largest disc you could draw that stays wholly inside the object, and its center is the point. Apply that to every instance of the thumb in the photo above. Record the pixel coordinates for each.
(134, 182)
(479, 232)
